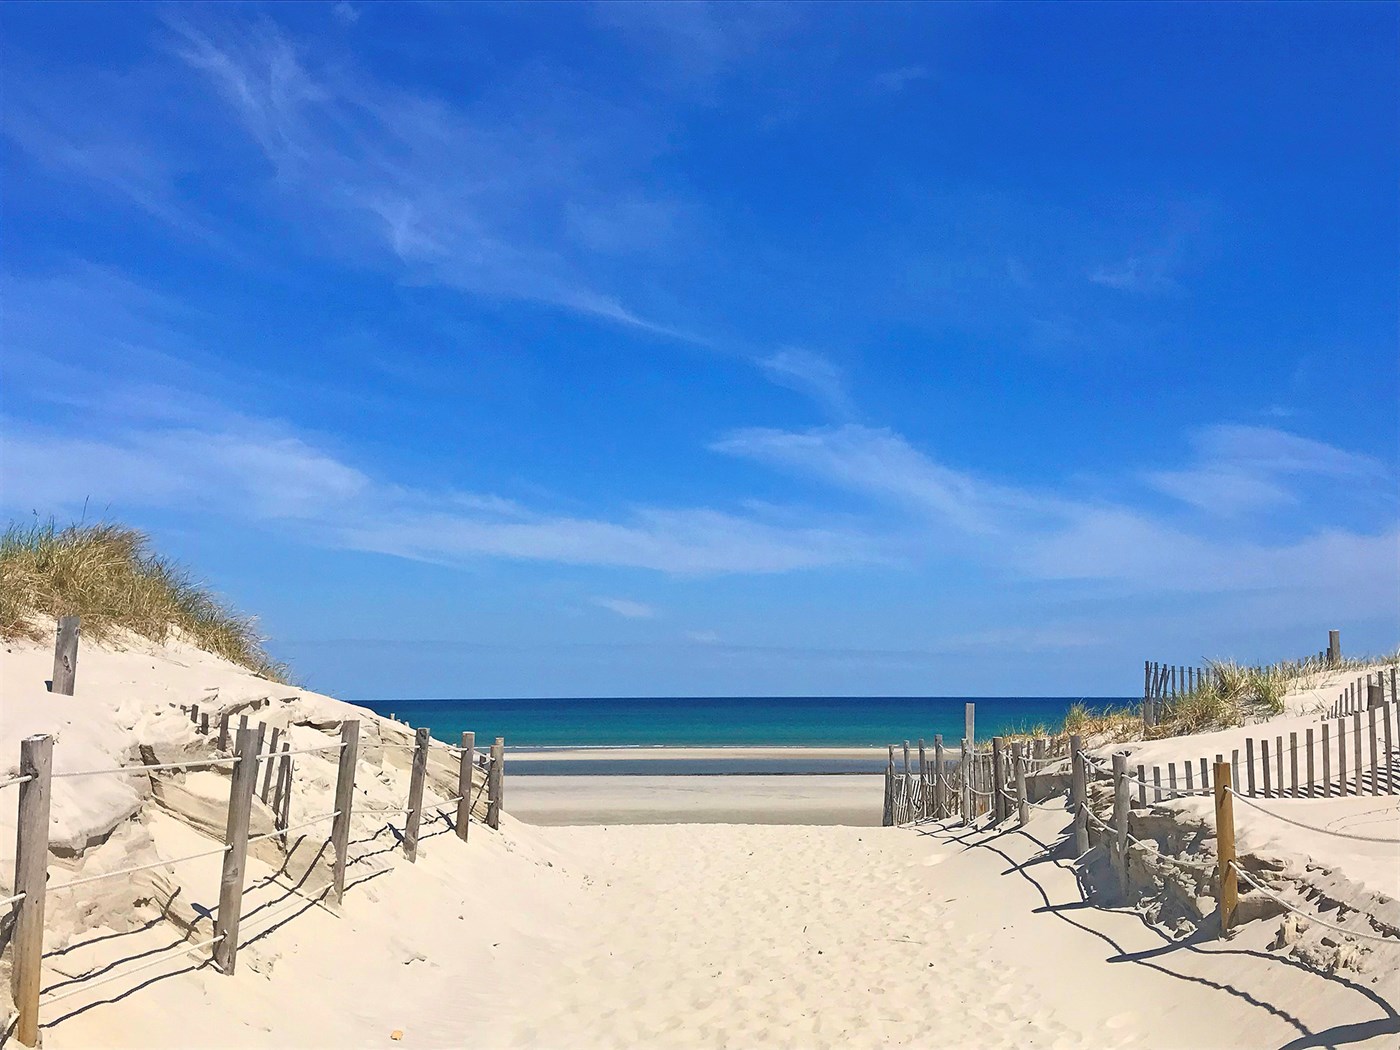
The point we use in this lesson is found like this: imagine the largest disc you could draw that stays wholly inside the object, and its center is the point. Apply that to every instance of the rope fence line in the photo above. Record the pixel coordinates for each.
(252, 767)
(87, 984)
(201, 763)
(1308, 827)
(140, 867)
(1380, 938)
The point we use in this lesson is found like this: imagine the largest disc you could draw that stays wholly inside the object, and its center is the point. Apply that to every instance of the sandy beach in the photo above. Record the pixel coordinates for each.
(634, 930)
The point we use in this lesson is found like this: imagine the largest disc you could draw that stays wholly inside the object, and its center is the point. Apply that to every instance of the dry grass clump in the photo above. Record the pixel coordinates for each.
(108, 575)
(1110, 723)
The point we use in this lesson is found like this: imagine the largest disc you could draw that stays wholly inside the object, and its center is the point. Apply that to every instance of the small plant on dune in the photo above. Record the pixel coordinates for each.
(108, 575)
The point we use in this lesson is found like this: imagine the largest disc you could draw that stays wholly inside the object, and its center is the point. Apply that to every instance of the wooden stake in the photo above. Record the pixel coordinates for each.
(966, 769)
(1326, 761)
(31, 876)
(1312, 789)
(1293, 763)
(464, 785)
(1375, 758)
(282, 793)
(1142, 787)
(939, 796)
(1248, 767)
(240, 804)
(267, 773)
(1356, 739)
(1334, 648)
(999, 807)
(969, 721)
(415, 794)
(1079, 794)
(496, 780)
(1225, 847)
(344, 800)
(1023, 809)
(223, 731)
(65, 655)
(1388, 714)
(1120, 818)
(1268, 773)
(1342, 755)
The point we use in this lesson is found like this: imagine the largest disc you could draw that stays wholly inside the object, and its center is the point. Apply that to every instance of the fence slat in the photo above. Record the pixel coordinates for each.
(1268, 773)
(1120, 819)
(1312, 787)
(1326, 760)
(1375, 758)
(1356, 753)
(464, 784)
(1249, 766)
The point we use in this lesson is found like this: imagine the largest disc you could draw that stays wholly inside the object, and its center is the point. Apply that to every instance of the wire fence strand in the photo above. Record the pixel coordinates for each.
(141, 867)
(1394, 942)
(88, 985)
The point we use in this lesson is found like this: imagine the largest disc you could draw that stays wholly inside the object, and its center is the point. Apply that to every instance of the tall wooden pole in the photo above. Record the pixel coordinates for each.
(1018, 759)
(939, 801)
(31, 875)
(1120, 818)
(965, 765)
(240, 805)
(1225, 847)
(1079, 794)
(999, 808)
(415, 794)
(496, 782)
(344, 799)
(464, 785)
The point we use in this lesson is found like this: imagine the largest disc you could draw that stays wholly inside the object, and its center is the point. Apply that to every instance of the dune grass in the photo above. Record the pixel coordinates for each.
(108, 575)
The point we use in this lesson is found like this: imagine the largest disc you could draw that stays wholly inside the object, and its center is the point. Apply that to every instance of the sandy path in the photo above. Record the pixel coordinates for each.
(733, 936)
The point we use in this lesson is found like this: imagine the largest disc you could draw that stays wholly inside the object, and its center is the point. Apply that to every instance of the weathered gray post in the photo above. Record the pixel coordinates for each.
(923, 782)
(999, 807)
(496, 783)
(415, 794)
(272, 751)
(1120, 818)
(344, 800)
(939, 801)
(282, 792)
(223, 733)
(464, 785)
(887, 817)
(65, 655)
(1079, 795)
(240, 805)
(965, 765)
(1018, 758)
(969, 724)
(204, 723)
(31, 875)
(1334, 648)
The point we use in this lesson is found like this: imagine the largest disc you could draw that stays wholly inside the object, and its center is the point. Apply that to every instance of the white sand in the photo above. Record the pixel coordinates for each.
(679, 935)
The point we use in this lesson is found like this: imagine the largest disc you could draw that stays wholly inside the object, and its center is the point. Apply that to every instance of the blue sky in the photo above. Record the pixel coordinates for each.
(686, 349)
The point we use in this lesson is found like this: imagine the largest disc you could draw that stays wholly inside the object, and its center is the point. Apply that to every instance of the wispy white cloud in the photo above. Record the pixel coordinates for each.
(1238, 469)
(259, 472)
(626, 608)
(1047, 536)
(508, 199)
(811, 374)
(1141, 274)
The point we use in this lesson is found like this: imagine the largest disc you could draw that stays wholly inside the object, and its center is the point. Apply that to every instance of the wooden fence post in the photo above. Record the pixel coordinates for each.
(495, 783)
(267, 772)
(886, 816)
(194, 715)
(1225, 847)
(923, 782)
(240, 805)
(65, 655)
(999, 808)
(415, 794)
(939, 795)
(282, 793)
(464, 784)
(1079, 794)
(965, 766)
(1334, 648)
(223, 733)
(31, 877)
(344, 800)
(1120, 818)
(1018, 759)
(1311, 770)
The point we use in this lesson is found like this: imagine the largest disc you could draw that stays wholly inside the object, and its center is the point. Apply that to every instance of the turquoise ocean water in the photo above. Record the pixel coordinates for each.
(661, 721)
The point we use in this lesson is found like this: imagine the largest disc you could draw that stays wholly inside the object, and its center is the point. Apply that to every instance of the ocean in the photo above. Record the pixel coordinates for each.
(785, 721)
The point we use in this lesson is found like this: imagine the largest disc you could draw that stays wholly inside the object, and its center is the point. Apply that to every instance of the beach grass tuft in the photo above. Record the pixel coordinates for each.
(107, 574)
